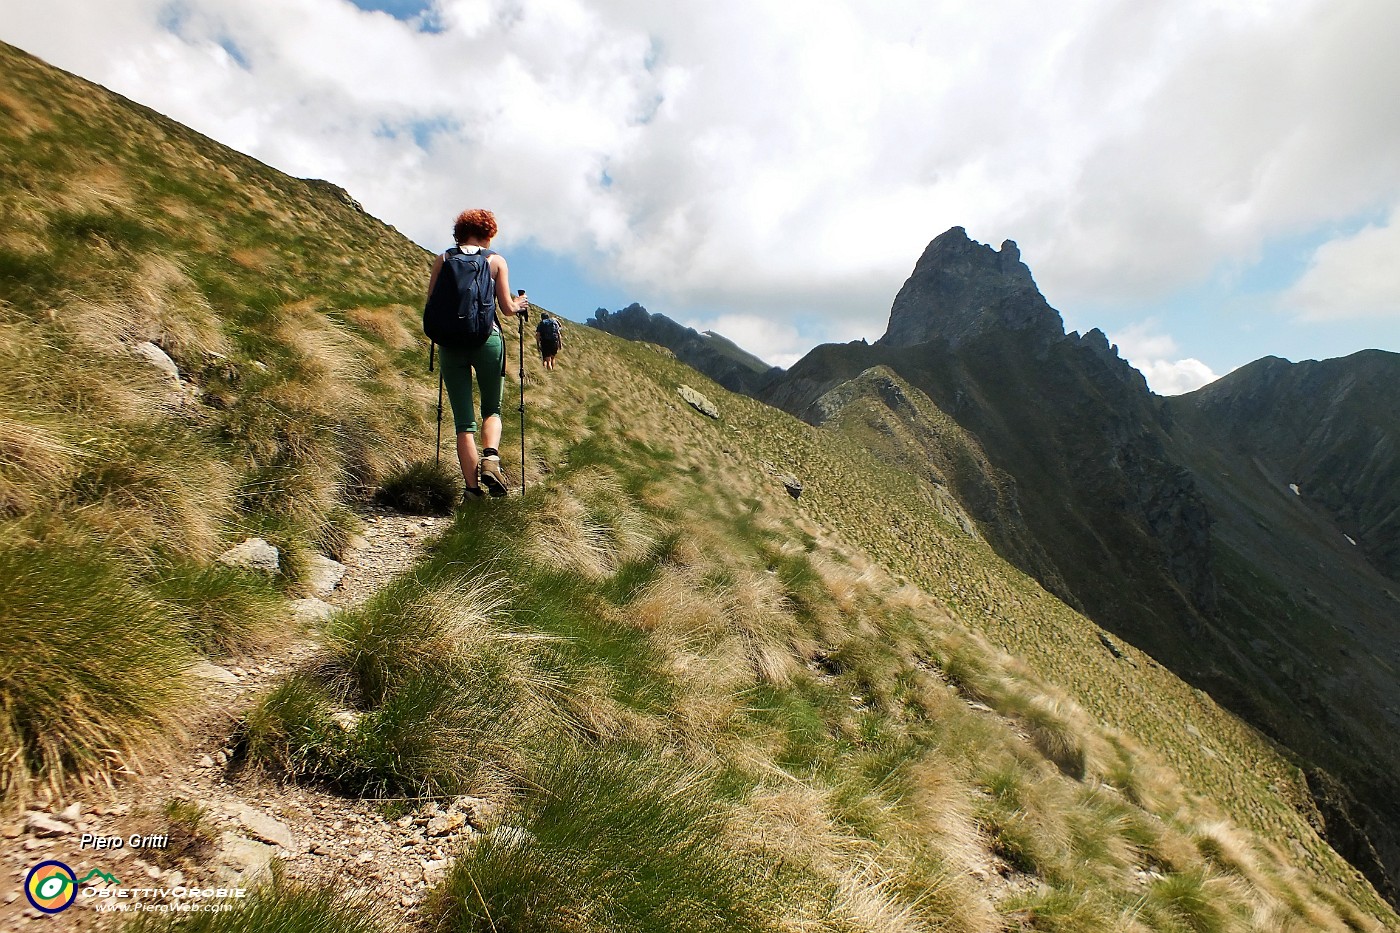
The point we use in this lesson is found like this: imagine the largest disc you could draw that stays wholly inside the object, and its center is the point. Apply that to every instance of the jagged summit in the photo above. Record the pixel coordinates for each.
(961, 288)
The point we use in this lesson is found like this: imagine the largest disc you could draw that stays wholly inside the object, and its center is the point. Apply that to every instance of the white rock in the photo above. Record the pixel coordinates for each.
(252, 554)
(71, 813)
(263, 826)
(325, 574)
(213, 672)
(155, 356)
(697, 401)
(312, 609)
(243, 860)
(41, 824)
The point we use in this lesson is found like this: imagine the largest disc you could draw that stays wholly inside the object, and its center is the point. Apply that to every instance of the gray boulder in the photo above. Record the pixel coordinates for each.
(252, 554)
(698, 401)
(325, 574)
(155, 356)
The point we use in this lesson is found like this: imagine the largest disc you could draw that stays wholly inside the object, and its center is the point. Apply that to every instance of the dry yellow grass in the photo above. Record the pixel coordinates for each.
(33, 461)
(159, 305)
(21, 119)
(590, 528)
(99, 189)
(387, 324)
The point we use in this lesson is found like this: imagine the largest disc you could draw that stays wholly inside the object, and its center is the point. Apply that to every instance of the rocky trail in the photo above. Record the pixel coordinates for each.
(229, 824)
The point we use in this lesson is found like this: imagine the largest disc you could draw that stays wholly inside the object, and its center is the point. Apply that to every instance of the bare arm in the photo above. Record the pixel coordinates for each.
(507, 302)
(432, 279)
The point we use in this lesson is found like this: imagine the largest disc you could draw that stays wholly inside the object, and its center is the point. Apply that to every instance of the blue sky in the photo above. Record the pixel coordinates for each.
(1207, 182)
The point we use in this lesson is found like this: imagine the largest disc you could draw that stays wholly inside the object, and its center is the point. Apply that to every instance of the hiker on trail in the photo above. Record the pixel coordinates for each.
(549, 337)
(473, 232)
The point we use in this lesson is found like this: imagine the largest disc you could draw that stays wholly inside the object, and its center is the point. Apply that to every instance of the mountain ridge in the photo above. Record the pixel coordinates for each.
(713, 354)
(1108, 485)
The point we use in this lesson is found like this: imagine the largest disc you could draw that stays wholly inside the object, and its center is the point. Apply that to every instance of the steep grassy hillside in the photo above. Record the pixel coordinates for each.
(691, 701)
(287, 312)
(1169, 522)
(1316, 645)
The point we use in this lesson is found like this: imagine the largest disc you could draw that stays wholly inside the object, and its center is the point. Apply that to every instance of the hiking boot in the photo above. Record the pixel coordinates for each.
(472, 494)
(492, 477)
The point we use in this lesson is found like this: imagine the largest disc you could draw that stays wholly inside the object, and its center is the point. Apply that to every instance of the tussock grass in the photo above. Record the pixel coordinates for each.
(33, 460)
(422, 488)
(1053, 729)
(222, 611)
(589, 528)
(90, 668)
(280, 906)
(143, 492)
(617, 839)
(1190, 899)
(419, 691)
(1065, 910)
(385, 325)
(292, 731)
(406, 630)
(1221, 845)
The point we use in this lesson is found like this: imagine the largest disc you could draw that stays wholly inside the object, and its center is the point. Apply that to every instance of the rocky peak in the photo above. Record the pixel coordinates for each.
(961, 289)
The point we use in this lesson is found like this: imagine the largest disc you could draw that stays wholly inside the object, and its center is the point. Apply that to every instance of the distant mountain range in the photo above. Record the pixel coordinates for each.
(1247, 534)
(717, 357)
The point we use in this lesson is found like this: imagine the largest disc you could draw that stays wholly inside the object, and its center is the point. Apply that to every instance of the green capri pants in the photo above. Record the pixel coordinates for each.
(489, 362)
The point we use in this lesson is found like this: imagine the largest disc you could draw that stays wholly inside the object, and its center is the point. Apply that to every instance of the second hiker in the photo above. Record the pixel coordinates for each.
(473, 232)
(549, 337)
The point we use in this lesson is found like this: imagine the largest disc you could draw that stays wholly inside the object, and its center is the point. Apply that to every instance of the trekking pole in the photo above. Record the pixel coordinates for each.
(524, 317)
(437, 453)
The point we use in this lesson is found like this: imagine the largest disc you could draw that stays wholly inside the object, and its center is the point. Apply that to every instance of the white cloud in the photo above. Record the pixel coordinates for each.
(1175, 377)
(1151, 353)
(1139, 341)
(793, 163)
(1352, 277)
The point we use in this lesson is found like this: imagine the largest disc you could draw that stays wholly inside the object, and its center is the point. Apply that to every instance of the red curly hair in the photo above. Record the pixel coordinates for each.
(476, 222)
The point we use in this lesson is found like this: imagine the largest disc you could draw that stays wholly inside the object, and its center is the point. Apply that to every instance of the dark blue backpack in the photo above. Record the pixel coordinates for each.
(461, 311)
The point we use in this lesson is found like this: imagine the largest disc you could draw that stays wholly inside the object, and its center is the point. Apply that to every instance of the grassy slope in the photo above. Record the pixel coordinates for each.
(286, 310)
(676, 620)
(791, 680)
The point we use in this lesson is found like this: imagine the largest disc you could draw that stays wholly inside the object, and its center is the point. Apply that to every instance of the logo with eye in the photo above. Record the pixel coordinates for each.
(51, 887)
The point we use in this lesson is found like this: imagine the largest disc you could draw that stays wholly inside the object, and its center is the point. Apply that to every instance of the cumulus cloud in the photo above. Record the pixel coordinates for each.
(1352, 277)
(1151, 352)
(763, 162)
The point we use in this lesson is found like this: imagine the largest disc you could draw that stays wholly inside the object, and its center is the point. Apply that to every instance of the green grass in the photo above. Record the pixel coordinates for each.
(622, 839)
(279, 906)
(1187, 899)
(90, 667)
(222, 611)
